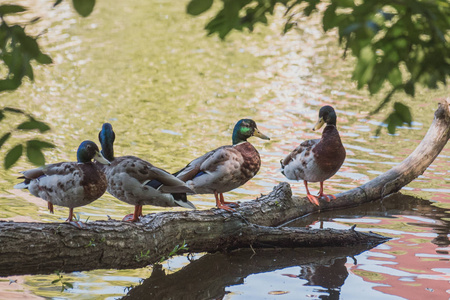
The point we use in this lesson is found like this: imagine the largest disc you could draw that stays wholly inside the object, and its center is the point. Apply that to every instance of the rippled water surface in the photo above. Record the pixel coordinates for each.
(171, 94)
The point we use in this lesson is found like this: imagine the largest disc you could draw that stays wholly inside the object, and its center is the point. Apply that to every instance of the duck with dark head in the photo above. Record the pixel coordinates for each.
(319, 159)
(137, 182)
(69, 184)
(225, 168)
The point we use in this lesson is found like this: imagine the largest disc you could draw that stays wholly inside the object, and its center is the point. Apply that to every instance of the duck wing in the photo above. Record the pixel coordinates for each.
(305, 147)
(148, 174)
(205, 163)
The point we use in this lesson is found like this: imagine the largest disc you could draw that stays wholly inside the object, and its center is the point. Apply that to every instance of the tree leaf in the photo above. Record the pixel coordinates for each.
(11, 9)
(4, 138)
(68, 285)
(35, 155)
(403, 113)
(57, 2)
(13, 155)
(34, 124)
(40, 144)
(196, 7)
(14, 110)
(43, 59)
(395, 77)
(56, 280)
(84, 7)
(409, 88)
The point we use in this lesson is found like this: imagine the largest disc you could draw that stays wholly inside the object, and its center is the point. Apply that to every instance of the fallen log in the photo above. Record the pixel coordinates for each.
(28, 248)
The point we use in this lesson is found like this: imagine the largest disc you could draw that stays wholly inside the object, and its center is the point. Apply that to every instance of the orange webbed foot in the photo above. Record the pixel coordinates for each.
(131, 218)
(313, 199)
(327, 197)
(77, 224)
(226, 207)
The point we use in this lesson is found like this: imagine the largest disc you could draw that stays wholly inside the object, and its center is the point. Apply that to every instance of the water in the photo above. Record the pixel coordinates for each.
(171, 94)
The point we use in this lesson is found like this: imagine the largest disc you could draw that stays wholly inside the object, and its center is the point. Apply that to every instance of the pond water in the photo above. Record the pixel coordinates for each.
(171, 94)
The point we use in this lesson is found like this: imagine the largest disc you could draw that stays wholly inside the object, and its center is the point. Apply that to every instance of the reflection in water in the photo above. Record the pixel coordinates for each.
(416, 264)
(330, 277)
(211, 276)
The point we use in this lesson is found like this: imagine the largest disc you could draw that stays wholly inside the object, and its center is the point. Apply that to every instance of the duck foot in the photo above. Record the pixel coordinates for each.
(220, 203)
(313, 199)
(77, 224)
(226, 207)
(231, 204)
(130, 218)
(327, 197)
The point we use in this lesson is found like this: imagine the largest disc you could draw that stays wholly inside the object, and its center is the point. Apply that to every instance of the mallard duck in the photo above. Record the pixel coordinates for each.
(227, 167)
(319, 159)
(69, 184)
(138, 182)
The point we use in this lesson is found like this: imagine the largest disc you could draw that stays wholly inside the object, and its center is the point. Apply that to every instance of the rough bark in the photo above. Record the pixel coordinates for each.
(46, 247)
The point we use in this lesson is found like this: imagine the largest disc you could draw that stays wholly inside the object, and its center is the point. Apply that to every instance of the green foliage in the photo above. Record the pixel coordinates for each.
(65, 285)
(83, 7)
(33, 147)
(176, 249)
(143, 256)
(399, 116)
(196, 7)
(396, 43)
(18, 53)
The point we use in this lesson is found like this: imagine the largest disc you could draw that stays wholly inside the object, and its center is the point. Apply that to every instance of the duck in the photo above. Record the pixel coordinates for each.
(227, 167)
(68, 184)
(317, 160)
(137, 182)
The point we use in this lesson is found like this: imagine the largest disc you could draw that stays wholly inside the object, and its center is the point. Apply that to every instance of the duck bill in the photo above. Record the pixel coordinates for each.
(258, 133)
(319, 124)
(101, 159)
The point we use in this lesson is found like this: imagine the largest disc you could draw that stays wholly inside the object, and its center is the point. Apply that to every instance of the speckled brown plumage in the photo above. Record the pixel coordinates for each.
(225, 168)
(69, 184)
(318, 159)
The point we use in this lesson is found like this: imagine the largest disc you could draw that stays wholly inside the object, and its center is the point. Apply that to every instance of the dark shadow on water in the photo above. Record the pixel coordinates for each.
(209, 276)
(394, 205)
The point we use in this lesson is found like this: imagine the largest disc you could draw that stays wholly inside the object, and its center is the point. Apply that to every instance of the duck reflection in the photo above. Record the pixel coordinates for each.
(209, 276)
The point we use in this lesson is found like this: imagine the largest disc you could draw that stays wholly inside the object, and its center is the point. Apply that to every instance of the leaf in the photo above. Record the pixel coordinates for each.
(395, 77)
(57, 2)
(409, 88)
(13, 155)
(2, 114)
(14, 110)
(35, 155)
(196, 7)
(56, 280)
(40, 144)
(34, 124)
(329, 17)
(11, 9)
(84, 7)
(403, 113)
(44, 59)
(68, 284)
(4, 138)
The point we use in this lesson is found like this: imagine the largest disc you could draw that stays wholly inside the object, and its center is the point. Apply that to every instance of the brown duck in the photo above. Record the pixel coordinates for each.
(225, 168)
(319, 159)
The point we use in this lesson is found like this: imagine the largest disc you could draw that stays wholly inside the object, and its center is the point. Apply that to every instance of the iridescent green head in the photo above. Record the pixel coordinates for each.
(106, 137)
(244, 129)
(326, 115)
(87, 151)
